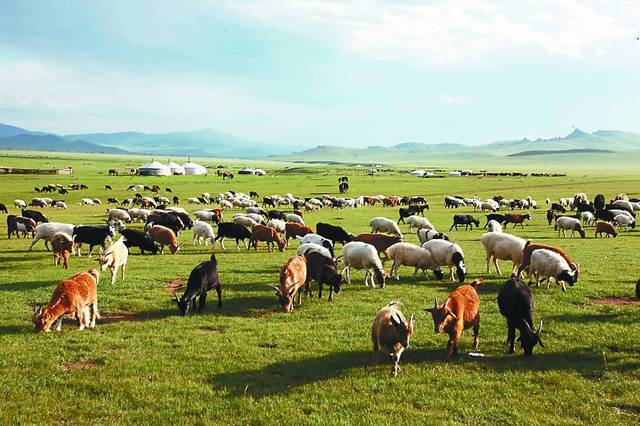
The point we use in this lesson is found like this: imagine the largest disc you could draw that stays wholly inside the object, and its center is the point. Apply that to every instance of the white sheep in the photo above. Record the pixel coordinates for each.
(245, 221)
(205, 215)
(119, 214)
(278, 225)
(384, 225)
(425, 235)
(177, 210)
(137, 214)
(21, 204)
(315, 239)
(572, 224)
(407, 254)
(624, 204)
(488, 206)
(549, 264)
(193, 200)
(446, 253)
(309, 247)
(418, 222)
(292, 217)
(46, 232)
(87, 202)
(494, 226)
(60, 205)
(226, 204)
(587, 218)
(617, 212)
(361, 255)
(116, 256)
(503, 246)
(624, 220)
(202, 231)
(96, 201)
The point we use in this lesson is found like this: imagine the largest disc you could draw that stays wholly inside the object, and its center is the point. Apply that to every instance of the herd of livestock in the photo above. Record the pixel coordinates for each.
(316, 258)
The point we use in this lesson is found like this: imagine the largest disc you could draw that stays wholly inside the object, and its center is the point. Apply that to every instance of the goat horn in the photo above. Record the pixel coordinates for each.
(176, 296)
(540, 327)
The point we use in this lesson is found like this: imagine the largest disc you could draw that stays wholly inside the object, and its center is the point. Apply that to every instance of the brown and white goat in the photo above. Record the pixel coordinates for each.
(390, 334)
(164, 237)
(293, 276)
(530, 247)
(76, 296)
(458, 312)
(62, 247)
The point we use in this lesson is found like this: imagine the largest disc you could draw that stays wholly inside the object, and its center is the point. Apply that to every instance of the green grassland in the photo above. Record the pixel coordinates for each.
(248, 363)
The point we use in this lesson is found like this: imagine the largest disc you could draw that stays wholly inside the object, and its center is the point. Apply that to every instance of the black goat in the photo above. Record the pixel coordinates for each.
(35, 215)
(333, 233)
(235, 231)
(323, 270)
(3, 208)
(203, 278)
(276, 214)
(558, 208)
(92, 235)
(140, 239)
(494, 216)
(516, 304)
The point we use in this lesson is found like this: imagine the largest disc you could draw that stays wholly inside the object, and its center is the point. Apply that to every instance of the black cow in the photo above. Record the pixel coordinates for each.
(140, 239)
(235, 231)
(35, 215)
(203, 278)
(92, 235)
(516, 304)
(323, 270)
(494, 216)
(333, 233)
(464, 219)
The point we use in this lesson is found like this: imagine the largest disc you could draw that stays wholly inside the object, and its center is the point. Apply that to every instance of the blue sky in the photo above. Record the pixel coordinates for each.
(323, 72)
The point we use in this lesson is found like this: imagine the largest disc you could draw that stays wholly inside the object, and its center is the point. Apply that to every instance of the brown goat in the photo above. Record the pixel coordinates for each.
(390, 334)
(268, 234)
(78, 296)
(61, 246)
(605, 228)
(530, 247)
(516, 219)
(292, 230)
(293, 276)
(164, 237)
(458, 312)
(380, 241)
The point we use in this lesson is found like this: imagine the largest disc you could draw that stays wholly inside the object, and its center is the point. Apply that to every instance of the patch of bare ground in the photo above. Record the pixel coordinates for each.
(81, 364)
(614, 300)
(210, 330)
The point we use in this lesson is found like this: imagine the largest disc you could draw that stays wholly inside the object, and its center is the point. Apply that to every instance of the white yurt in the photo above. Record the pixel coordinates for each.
(154, 168)
(455, 173)
(194, 169)
(176, 169)
(246, 171)
(417, 173)
(259, 172)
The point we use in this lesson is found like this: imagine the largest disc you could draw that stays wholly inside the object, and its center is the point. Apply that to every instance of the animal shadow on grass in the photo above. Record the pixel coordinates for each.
(26, 285)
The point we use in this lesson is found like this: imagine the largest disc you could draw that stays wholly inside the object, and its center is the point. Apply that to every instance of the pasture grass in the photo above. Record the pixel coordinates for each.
(248, 363)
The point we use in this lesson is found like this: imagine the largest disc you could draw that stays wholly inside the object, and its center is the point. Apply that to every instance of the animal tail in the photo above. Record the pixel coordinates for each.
(475, 283)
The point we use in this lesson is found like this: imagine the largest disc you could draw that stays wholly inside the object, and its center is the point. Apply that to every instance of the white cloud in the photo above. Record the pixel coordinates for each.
(446, 33)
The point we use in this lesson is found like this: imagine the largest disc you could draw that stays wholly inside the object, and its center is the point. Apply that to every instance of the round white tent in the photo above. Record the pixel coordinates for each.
(176, 168)
(417, 173)
(259, 172)
(194, 169)
(154, 168)
(246, 171)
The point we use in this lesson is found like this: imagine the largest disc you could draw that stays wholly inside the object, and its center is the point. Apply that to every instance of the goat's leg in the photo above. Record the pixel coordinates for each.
(476, 332)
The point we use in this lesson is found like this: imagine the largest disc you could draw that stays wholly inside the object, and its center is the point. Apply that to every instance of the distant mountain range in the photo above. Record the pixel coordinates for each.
(199, 143)
(211, 143)
(576, 143)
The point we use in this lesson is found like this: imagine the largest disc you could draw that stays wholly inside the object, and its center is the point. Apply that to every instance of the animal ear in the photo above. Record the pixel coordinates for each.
(412, 320)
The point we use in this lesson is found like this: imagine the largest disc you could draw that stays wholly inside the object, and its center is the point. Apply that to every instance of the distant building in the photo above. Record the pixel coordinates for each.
(191, 168)
(154, 168)
(246, 171)
(176, 169)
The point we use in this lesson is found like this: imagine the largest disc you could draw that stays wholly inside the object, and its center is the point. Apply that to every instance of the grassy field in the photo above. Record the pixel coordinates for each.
(248, 363)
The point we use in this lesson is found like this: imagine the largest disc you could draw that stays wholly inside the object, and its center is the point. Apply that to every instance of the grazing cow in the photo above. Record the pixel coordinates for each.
(235, 231)
(92, 235)
(268, 234)
(78, 296)
(333, 233)
(62, 247)
(323, 270)
(164, 237)
(115, 257)
(516, 305)
(516, 219)
(458, 312)
(293, 275)
(293, 230)
(202, 278)
(140, 239)
(390, 334)
(464, 219)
